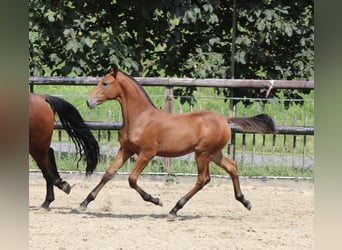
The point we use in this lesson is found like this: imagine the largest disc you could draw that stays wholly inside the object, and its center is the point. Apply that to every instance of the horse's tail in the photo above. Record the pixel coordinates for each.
(86, 144)
(262, 123)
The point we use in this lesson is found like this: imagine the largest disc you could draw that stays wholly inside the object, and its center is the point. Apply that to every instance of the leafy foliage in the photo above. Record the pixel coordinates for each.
(274, 39)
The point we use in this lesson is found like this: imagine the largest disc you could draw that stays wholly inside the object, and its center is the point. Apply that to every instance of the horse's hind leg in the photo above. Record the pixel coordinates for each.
(50, 196)
(56, 179)
(51, 176)
(43, 164)
(202, 179)
(42, 160)
(230, 167)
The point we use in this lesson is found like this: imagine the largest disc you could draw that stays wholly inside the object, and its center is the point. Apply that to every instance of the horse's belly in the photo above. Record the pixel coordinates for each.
(174, 153)
(177, 146)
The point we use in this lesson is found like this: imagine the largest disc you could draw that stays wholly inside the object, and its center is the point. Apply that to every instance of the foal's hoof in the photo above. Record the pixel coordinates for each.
(171, 217)
(248, 204)
(159, 203)
(245, 202)
(82, 208)
(156, 201)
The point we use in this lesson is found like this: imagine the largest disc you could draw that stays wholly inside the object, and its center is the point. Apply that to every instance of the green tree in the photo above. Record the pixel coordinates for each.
(274, 39)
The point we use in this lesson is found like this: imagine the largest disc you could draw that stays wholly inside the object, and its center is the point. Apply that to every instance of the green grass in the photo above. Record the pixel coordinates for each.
(206, 100)
(67, 162)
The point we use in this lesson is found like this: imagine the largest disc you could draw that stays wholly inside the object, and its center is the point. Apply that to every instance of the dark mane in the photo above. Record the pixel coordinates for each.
(140, 87)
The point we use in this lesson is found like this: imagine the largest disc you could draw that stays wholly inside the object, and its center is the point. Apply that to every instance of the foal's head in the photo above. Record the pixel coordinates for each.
(106, 89)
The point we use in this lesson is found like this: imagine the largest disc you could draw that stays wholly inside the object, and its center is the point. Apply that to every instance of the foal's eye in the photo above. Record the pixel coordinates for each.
(104, 84)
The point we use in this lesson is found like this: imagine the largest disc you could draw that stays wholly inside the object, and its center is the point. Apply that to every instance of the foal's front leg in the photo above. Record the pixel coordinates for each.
(142, 161)
(121, 157)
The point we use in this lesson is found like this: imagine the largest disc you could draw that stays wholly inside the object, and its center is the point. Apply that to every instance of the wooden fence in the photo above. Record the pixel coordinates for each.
(170, 83)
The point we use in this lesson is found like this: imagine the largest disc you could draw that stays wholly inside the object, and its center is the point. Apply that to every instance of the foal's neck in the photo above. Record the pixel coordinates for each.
(133, 100)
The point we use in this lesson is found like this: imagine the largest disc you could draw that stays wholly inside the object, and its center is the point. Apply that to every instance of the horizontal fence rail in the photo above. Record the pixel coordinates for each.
(283, 130)
(180, 82)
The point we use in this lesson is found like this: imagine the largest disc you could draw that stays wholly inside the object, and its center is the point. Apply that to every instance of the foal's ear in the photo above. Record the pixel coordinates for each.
(114, 70)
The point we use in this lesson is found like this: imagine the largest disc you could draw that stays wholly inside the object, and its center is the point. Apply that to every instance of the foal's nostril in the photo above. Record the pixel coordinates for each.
(88, 104)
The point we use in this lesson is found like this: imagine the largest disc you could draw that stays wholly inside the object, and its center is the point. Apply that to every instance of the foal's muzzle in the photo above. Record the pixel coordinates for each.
(91, 103)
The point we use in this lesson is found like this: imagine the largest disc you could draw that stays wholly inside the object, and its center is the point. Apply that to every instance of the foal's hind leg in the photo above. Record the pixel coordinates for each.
(230, 167)
(203, 178)
(121, 157)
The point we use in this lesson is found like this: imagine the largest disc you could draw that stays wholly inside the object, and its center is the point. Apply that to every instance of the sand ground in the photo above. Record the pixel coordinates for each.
(282, 215)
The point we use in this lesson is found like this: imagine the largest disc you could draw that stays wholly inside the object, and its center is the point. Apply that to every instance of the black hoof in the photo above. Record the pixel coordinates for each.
(155, 201)
(66, 187)
(45, 207)
(158, 202)
(83, 206)
(247, 204)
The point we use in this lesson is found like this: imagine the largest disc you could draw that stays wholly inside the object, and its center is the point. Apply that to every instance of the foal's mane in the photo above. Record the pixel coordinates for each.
(140, 87)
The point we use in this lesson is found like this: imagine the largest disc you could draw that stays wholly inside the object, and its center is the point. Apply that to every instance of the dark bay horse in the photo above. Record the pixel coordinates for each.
(148, 132)
(42, 109)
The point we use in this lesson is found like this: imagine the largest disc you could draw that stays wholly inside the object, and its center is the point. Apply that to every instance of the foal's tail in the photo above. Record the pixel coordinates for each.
(86, 144)
(262, 123)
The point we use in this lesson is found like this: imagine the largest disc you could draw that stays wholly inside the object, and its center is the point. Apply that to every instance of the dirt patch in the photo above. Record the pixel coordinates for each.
(281, 217)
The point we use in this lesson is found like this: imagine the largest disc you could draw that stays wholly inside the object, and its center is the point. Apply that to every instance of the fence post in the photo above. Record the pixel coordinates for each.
(168, 108)
(168, 98)
(31, 88)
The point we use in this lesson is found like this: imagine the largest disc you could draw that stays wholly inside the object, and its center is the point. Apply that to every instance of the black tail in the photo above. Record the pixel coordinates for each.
(86, 144)
(262, 123)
